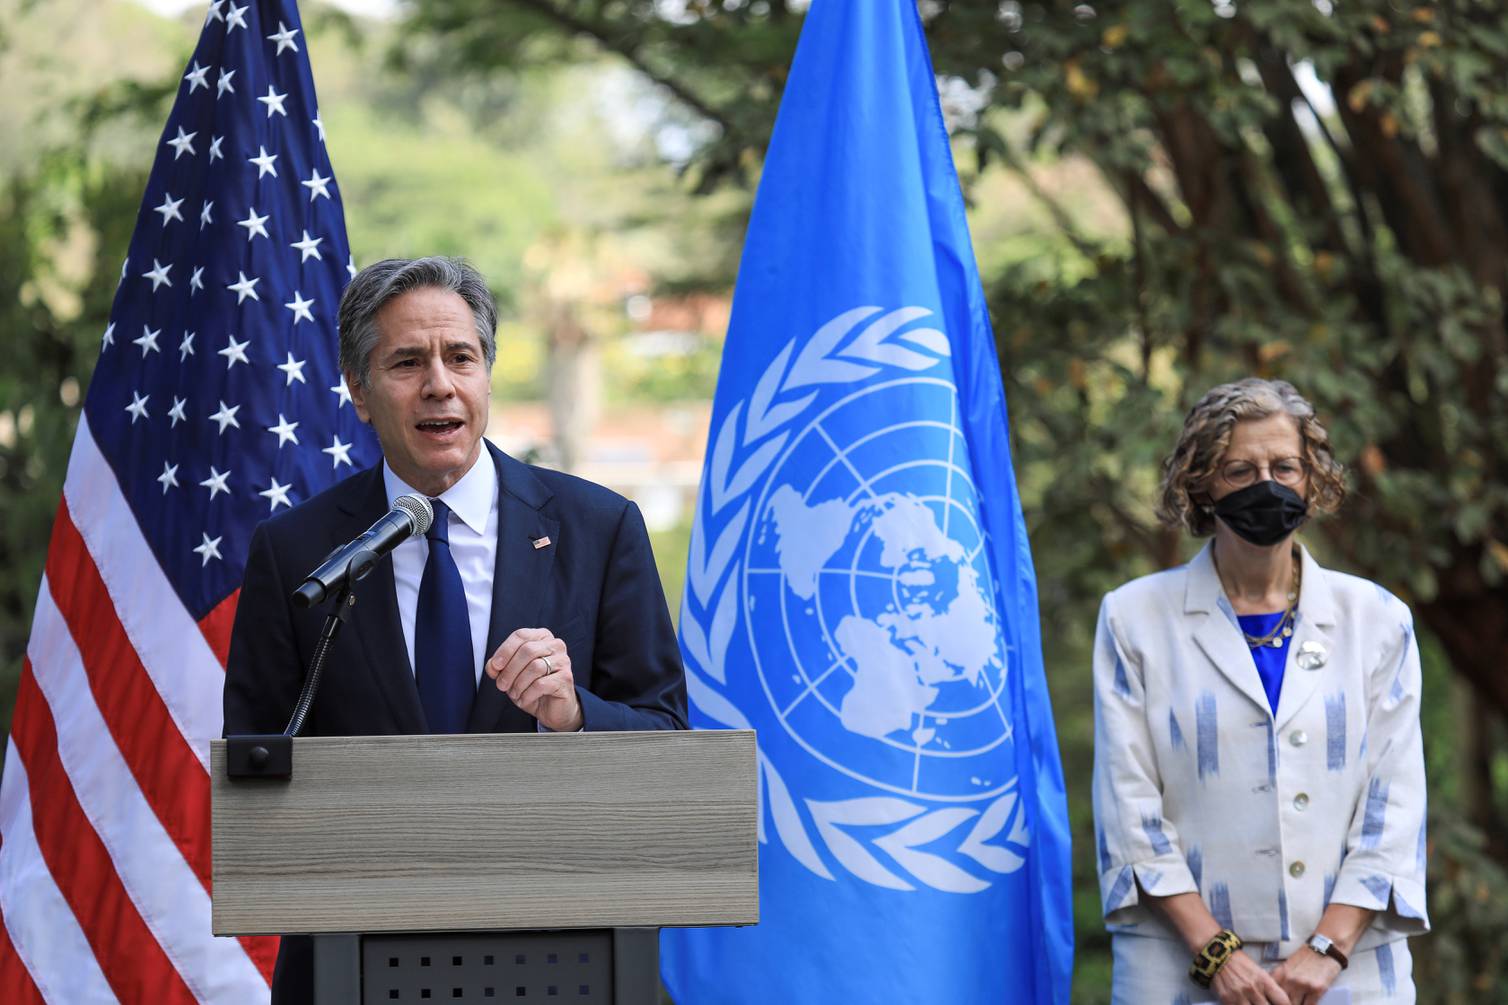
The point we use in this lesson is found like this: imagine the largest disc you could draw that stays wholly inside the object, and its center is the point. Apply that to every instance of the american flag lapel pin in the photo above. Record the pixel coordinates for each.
(541, 542)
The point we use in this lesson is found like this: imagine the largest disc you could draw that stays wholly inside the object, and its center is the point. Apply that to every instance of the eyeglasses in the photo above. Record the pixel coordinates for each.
(1285, 471)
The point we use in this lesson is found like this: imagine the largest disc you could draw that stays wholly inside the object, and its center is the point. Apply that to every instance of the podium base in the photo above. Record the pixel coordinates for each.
(609, 966)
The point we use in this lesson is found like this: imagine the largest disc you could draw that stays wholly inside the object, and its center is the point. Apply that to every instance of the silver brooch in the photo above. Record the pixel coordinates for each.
(1312, 655)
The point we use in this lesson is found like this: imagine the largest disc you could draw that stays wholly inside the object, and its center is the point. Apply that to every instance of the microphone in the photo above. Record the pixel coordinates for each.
(409, 516)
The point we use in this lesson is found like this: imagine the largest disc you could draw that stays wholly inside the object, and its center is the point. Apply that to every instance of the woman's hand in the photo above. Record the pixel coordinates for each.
(1242, 981)
(1306, 976)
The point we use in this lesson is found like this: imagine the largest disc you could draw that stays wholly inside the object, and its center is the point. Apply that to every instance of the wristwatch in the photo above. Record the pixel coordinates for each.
(1325, 947)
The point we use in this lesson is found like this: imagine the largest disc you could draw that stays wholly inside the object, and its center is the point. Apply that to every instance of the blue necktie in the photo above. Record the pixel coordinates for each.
(442, 635)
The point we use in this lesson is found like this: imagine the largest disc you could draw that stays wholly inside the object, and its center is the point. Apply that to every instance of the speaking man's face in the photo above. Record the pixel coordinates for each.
(428, 390)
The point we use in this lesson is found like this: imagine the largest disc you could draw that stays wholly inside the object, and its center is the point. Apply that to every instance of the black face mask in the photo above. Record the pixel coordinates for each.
(1263, 513)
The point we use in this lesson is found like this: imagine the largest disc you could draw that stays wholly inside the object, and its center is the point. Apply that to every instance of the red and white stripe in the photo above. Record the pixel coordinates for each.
(104, 803)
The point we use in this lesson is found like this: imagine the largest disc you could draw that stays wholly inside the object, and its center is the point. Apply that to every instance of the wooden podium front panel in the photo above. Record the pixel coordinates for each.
(489, 832)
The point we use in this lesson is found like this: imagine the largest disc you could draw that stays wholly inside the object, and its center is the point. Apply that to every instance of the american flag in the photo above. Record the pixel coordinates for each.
(215, 402)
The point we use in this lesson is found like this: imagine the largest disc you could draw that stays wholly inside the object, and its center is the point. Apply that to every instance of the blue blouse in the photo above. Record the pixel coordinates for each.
(1270, 661)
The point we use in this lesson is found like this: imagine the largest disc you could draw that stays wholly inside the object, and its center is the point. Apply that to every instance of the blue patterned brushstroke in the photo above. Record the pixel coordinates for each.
(1196, 866)
(1361, 752)
(1272, 753)
(1385, 972)
(1150, 878)
(1122, 682)
(1220, 905)
(1104, 849)
(1207, 735)
(1329, 888)
(1118, 892)
(1380, 887)
(1182, 998)
(1421, 852)
(1376, 813)
(1175, 734)
(1283, 913)
(1335, 731)
(1404, 908)
(1398, 692)
(1152, 826)
(1228, 611)
(1272, 952)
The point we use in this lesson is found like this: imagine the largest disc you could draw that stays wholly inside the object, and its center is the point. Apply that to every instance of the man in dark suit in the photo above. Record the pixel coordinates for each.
(533, 604)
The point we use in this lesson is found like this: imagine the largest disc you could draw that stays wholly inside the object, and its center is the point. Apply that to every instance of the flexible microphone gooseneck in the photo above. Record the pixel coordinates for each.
(271, 756)
(410, 516)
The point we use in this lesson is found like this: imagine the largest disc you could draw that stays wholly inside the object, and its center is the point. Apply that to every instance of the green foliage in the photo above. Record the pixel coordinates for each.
(1465, 959)
(670, 545)
(1310, 191)
(436, 189)
(664, 378)
(71, 178)
(725, 63)
(1158, 205)
(497, 170)
(64, 202)
(1360, 253)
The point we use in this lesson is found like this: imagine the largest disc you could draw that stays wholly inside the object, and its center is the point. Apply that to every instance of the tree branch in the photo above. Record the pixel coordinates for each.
(621, 46)
(1054, 209)
(1399, 175)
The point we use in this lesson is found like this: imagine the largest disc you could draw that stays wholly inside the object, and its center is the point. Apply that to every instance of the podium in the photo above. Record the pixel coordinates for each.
(489, 867)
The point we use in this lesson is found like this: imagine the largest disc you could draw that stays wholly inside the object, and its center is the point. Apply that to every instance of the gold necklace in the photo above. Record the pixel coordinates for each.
(1274, 638)
(1284, 628)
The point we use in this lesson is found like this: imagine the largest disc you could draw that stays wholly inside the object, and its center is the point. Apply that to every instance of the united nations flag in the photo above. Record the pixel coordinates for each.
(860, 589)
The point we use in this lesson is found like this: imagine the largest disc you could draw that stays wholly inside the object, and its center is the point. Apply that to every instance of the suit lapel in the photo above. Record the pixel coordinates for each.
(1219, 634)
(1315, 618)
(374, 619)
(520, 582)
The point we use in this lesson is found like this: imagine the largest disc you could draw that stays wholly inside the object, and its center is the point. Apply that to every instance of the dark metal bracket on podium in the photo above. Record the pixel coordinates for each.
(270, 755)
(482, 868)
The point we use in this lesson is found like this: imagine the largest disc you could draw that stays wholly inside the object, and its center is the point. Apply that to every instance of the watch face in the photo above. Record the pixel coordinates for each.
(1320, 944)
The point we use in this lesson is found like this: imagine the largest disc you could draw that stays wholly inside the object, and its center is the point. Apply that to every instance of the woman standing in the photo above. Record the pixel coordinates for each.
(1259, 773)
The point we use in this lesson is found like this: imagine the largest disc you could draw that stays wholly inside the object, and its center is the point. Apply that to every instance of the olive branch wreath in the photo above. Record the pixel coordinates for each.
(744, 446)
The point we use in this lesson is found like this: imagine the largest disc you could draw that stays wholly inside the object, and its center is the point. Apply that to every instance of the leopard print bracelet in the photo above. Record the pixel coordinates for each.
(1215, 954)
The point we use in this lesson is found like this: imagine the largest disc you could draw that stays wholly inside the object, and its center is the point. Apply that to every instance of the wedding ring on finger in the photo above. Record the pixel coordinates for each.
(549, 667)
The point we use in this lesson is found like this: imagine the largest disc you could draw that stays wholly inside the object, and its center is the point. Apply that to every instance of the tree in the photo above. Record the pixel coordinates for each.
(1315, 191)
(88, 211)
(1360, 248)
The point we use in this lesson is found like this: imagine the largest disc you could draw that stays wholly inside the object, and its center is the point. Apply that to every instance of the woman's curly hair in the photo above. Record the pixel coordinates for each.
(1184, 499)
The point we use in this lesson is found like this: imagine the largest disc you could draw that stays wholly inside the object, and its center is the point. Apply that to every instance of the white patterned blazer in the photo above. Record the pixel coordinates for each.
(1199, 787)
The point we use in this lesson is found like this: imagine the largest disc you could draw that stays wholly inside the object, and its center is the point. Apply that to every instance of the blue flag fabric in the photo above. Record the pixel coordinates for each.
(860, 588)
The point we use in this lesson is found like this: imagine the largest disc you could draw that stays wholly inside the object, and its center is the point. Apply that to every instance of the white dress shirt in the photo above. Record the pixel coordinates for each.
(473, 545)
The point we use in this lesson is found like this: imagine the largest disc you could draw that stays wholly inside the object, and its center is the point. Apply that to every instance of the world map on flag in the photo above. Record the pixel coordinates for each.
(872, 576)
(937, 631)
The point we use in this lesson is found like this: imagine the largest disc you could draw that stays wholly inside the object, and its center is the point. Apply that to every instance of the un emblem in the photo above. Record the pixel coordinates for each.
(869, 602)
(839, 539)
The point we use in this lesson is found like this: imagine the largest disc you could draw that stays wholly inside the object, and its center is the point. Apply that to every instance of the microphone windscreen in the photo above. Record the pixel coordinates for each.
(419, 510)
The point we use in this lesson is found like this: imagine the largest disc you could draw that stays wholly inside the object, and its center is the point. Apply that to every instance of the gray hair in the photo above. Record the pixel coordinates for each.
(1187, 472)
(380, 282)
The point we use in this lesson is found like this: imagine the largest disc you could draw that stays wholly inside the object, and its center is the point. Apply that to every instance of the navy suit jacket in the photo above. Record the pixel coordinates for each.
(594, 585)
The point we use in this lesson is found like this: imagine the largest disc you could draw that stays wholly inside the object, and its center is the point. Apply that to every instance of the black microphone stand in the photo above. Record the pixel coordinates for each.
(271, 755)
(339, 612)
